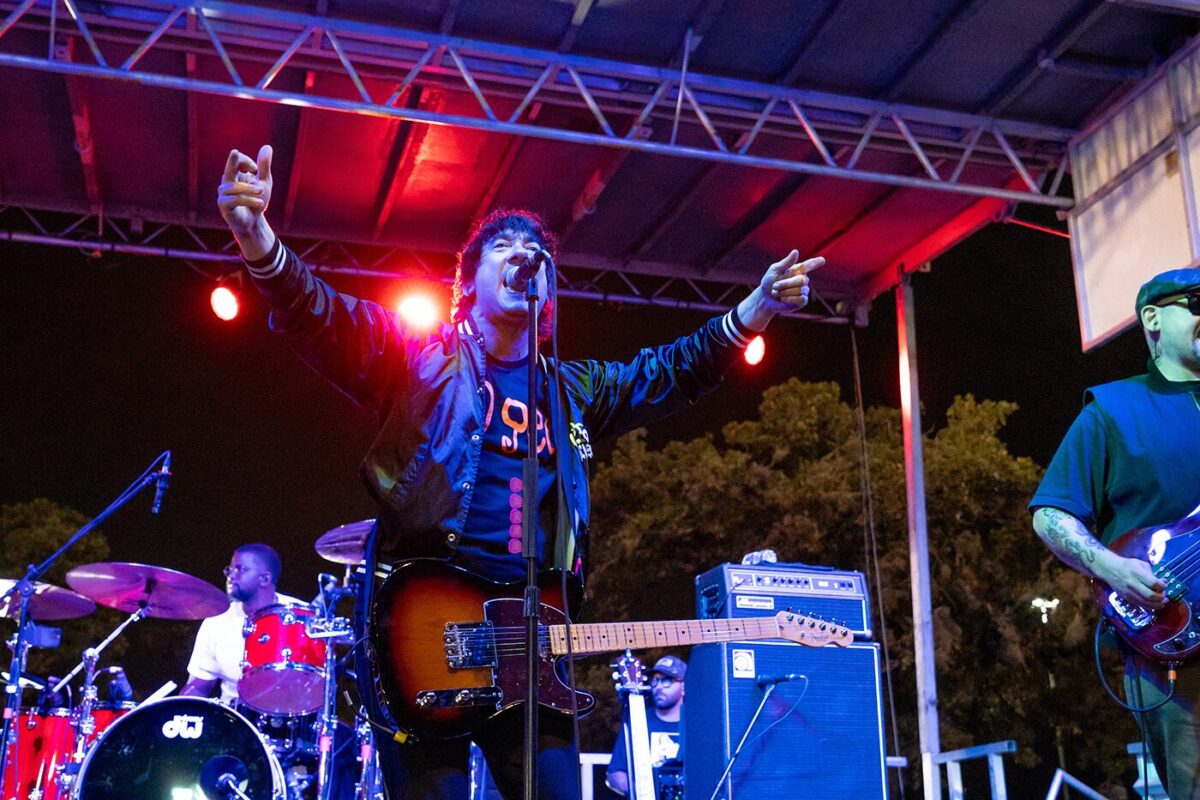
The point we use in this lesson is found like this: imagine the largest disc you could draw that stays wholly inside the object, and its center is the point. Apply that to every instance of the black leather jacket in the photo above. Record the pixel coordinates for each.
(427, 387)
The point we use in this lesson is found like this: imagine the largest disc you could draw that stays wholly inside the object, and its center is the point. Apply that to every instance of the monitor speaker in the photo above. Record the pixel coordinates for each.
(819, 735)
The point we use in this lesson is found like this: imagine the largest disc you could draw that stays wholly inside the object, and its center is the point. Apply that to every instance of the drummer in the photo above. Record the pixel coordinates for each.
(250, 581)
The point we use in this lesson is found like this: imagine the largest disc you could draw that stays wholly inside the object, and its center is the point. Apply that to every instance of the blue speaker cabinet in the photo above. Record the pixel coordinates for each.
(820, 736)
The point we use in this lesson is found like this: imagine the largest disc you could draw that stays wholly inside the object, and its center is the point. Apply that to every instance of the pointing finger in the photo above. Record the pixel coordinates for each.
(809, 265)
(265, 154)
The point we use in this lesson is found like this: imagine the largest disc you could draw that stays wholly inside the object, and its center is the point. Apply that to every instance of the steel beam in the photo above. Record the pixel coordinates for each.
(581, 277)
(244, 34)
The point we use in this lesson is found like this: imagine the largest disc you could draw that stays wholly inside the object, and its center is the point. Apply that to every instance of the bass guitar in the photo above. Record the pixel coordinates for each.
(1172, 633)
(449, 647)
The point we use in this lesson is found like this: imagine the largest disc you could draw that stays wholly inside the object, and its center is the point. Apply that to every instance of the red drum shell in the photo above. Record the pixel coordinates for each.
(283, 670)
(45, 742)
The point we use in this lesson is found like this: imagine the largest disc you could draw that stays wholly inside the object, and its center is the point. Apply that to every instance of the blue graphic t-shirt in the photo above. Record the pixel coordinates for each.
(491, 538)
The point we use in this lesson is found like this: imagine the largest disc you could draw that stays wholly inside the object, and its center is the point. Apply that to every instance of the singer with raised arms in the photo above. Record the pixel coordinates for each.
(445, 468)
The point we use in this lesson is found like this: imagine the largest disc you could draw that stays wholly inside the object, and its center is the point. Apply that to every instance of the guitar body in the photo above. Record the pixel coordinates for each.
(449, 648)
(1172, 633)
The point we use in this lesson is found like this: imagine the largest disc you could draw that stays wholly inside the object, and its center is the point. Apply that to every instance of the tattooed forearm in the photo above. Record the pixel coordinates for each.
(1068, 538)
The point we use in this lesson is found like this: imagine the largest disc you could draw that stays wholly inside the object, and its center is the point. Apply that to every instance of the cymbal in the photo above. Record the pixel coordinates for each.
(166, 593)
(345, 544)
(49, 602)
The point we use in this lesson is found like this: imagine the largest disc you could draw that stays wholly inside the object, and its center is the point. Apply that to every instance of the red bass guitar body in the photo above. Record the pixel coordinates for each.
(1170, 634)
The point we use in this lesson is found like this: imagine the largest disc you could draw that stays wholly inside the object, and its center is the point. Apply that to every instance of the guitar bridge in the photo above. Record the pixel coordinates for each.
(1134, 616)
(470, 645)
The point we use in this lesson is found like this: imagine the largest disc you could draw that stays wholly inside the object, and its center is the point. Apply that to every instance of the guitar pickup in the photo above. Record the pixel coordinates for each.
(458, 698)
(470, 645)
(1134, 616)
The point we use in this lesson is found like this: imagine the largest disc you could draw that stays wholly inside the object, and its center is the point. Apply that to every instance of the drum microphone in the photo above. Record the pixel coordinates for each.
(164, 477)
(221, 776)
(764, 681)
(517, 277)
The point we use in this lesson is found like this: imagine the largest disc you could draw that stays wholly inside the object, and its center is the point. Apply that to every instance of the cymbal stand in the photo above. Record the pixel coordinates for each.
(330, 627)
(26, 586)
(367, 787)
(82, 719)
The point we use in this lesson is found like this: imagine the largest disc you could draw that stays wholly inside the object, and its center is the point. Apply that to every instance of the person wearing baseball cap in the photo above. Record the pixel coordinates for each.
(666, 689)
(1131, 459)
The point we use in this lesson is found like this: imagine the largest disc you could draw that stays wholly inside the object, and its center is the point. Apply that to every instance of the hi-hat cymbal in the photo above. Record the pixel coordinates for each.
(166, 593)
(49, 602)
(345, 544)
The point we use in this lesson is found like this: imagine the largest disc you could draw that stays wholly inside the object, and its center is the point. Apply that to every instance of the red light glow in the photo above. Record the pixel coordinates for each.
(755, 351)
(224, 303)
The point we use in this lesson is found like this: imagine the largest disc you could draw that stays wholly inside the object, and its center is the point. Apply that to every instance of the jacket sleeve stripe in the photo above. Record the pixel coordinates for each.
(734, 331)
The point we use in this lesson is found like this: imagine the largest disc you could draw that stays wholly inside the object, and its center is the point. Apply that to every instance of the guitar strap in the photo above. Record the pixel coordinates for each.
(366, 672)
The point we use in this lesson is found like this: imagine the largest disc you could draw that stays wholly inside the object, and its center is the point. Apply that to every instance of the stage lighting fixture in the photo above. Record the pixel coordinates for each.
(418, 310)
(224, 303)
(755, 351)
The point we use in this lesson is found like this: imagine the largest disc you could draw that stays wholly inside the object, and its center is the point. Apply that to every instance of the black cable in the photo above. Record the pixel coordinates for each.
(871, 544)
(560, 493)
(1103, 682)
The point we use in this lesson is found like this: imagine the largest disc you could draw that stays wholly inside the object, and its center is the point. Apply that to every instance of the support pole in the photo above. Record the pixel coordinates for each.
(918, 539)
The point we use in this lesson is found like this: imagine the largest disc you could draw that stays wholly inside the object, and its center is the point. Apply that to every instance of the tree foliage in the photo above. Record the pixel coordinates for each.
(791, 481)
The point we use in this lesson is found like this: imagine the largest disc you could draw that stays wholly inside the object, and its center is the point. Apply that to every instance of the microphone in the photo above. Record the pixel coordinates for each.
(517, 277)
(164, 477)
(221, 776)
(764, 681)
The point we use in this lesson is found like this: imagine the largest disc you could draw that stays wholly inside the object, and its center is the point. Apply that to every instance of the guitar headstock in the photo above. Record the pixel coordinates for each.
(812, 631)
(629, 674)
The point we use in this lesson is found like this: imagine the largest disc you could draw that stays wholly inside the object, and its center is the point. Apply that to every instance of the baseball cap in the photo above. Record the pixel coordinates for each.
(1165, 284)
(670, 666)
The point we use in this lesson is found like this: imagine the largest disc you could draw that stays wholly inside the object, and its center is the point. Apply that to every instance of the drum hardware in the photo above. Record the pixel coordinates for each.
(27, 587)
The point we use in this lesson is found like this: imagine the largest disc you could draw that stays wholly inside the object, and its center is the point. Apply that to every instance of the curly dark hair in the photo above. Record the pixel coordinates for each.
(518, 222)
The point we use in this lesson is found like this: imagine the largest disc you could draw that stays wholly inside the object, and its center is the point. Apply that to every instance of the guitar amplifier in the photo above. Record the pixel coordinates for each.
(733, 591)
(820, 735)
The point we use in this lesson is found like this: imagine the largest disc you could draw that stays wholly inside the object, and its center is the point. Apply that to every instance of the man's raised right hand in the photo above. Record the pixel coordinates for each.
(243, 197)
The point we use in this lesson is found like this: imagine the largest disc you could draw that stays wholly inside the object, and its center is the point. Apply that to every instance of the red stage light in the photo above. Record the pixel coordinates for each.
(755, 351)
(224, 303)
(418, 310)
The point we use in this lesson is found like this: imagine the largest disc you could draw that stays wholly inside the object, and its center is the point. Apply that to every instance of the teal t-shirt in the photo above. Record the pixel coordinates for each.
(1130, 459)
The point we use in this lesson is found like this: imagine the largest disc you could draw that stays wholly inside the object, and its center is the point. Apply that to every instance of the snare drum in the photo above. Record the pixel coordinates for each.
(283, 670)
(161, 750)
(45, 742)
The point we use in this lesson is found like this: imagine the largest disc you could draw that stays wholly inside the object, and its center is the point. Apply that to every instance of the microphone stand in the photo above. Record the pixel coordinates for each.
(27, 587)
(738, 750)
(529, 521)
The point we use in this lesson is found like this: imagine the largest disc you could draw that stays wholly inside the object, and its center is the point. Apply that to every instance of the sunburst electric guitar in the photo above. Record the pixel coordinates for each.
(449, 647)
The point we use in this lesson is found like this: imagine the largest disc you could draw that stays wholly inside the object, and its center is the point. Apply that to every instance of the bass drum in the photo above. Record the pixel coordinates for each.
(170, 749)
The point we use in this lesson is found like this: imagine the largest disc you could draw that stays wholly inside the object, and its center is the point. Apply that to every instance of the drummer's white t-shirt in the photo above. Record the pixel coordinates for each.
(217, 654)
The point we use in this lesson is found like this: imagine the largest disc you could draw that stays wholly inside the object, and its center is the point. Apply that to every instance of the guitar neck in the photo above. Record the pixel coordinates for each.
(609, 637)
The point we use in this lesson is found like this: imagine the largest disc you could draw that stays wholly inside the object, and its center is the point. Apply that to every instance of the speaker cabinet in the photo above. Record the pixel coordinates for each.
(819, 736)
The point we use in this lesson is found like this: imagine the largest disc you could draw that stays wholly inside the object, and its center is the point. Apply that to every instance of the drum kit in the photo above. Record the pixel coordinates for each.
(281, 740)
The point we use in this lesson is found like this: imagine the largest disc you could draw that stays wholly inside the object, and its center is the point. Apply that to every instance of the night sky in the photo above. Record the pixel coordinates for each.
(107, 363)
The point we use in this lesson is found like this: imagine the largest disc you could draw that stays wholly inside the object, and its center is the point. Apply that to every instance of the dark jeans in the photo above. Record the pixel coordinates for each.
(1172, 730)
(438, 770)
